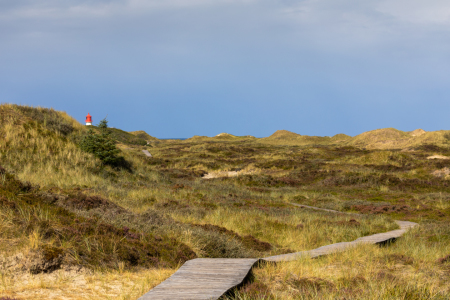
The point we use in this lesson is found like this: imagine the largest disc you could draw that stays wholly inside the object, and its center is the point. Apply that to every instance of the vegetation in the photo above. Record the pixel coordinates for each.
(165, 203)
(143, 135)
(101, 145)
(126, 138)
(47, 225)
(120, 136)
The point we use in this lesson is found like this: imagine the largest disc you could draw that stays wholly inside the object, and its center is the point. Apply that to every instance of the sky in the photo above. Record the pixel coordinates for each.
(178, 68)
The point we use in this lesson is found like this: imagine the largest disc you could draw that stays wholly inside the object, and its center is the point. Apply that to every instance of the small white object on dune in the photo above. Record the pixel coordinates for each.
(147, 153)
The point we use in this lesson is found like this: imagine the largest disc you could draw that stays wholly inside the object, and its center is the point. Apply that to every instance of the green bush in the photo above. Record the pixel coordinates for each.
(101, 145)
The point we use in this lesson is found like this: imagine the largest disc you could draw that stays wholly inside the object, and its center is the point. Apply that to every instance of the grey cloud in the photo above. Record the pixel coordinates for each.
(340, 41)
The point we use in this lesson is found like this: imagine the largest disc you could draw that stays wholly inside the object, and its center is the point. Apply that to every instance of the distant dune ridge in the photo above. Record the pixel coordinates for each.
(225, 135)
(417, 132)
(284, 134)
(340, 137)
(292, 138)
(143, 135)
(386, 138)
(221, 136)
(390, 138)
(380, 138)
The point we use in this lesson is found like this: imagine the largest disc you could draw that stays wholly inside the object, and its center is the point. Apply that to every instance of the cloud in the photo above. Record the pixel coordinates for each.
(95, 8)
(352, 22)
(430, 12)
(312, 53)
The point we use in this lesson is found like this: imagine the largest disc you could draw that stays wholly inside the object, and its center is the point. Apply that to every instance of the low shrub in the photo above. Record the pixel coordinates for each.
(87, 241)
(247, 241)
(103, 146)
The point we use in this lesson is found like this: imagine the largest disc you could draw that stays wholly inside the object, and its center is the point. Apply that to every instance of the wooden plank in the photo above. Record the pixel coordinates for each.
(203, 279)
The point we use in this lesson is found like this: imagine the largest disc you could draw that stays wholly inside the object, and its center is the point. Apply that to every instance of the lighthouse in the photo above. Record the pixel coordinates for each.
(88, 120)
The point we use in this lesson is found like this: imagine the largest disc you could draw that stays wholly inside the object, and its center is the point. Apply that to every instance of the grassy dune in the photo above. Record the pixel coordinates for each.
(143, 135)
(49, 188)
(386, 139)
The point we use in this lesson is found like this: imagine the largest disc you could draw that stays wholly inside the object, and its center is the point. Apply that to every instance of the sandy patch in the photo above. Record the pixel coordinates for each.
(417, 132)
(438, 157)
(218, 174)
(441, 173)
(223, 133)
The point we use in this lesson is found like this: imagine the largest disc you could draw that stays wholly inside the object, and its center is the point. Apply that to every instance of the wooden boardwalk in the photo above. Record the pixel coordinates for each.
(210, 278)
(203, 279)
(378, 238)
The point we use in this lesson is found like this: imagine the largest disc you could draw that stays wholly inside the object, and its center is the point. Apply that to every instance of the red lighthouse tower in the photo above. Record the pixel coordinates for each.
(88, 119)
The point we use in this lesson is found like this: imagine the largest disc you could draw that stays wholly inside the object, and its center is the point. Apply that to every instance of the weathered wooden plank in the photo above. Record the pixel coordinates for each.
(203, 279)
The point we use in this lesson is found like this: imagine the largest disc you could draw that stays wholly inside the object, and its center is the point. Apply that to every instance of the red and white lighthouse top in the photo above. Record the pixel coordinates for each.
(88, 118)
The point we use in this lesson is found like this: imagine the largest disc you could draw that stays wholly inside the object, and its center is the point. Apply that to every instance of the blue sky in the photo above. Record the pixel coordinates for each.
(178, 68)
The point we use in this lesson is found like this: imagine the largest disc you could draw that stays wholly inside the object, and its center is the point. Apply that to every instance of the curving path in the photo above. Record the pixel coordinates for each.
(210, 278)
(378, 238)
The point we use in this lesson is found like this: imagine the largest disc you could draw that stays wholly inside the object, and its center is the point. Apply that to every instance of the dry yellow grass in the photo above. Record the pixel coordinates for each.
(77, 285)
(405, 270)
(40, 156)
(143, 135)
(391, 138)
(298, 231)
